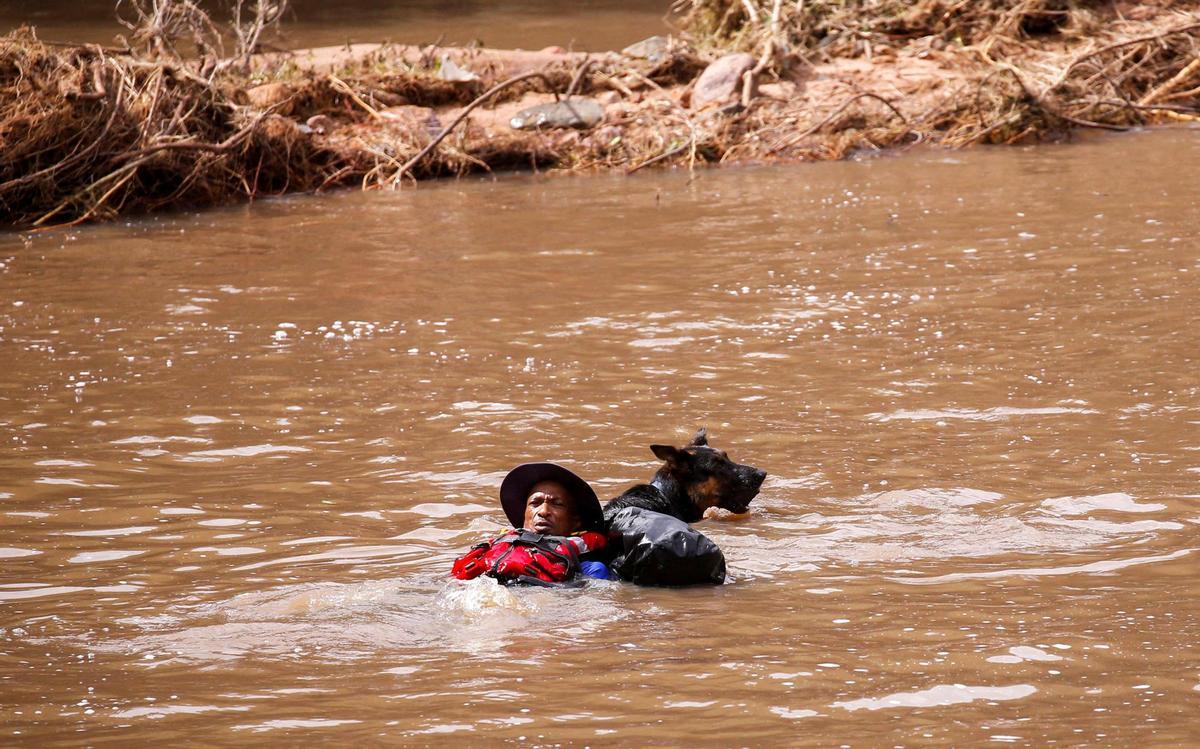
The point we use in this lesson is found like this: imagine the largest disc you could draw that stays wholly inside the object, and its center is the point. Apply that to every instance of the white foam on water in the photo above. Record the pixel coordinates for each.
(999, 413)
(248, 451)
(111, 532)
(1114, 502)
(941, 695)
(292, 724)
(89, 557)
(1021, 653)
(155, 712)
(11, 552)
(793, 714)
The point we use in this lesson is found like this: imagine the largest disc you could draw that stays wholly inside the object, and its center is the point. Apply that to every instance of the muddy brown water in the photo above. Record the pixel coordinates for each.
(593, 25)
(241, 448)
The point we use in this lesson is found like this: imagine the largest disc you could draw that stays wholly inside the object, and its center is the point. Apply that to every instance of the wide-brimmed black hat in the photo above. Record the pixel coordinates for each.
(514, 492)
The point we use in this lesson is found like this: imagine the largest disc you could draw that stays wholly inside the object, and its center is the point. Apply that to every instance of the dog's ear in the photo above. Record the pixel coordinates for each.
(701, 437)
(668, 453)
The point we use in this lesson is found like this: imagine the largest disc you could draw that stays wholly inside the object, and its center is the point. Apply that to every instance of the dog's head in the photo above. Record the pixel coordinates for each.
(708, 476)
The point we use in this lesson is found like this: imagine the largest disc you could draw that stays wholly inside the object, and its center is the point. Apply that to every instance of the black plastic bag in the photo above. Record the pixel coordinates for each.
(657, 549)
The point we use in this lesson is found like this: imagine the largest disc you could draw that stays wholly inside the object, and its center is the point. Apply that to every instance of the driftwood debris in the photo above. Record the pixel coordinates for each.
(90, 132)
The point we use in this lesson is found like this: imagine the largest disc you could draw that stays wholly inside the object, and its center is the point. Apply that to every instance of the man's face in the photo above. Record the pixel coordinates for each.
(550, 509)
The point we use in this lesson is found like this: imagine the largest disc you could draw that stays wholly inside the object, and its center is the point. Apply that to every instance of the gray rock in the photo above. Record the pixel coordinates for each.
(577, 113)
(721, 82)
(654, 49)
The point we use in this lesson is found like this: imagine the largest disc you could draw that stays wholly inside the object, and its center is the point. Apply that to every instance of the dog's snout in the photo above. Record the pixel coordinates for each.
(751, 477)
(758, 477)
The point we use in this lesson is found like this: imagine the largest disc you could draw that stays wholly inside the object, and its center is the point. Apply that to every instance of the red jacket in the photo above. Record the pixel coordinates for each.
(521, 556)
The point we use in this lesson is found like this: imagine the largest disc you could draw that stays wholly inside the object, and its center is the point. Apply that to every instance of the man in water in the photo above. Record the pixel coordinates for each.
(559, 528)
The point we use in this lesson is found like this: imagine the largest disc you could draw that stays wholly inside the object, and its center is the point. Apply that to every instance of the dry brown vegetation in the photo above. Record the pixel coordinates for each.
(170, 119)
(1016, 69)
(856, 27)
(87, 133)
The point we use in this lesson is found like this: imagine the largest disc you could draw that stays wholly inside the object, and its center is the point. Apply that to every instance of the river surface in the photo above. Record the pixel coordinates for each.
(240, 449)
(592, 25)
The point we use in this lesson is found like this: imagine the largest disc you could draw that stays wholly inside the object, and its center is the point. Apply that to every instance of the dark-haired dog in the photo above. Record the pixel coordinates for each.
(692, 479)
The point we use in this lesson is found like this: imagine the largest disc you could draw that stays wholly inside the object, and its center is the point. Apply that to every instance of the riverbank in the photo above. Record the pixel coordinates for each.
(90, 133)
